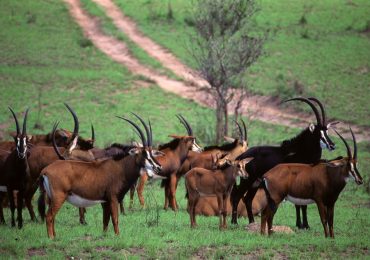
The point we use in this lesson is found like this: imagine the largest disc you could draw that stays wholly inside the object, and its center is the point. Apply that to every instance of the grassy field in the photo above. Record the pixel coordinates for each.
(43, 51)
(320, 48)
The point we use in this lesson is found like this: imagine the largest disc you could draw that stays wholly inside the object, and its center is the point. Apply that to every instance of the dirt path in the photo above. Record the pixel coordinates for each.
(258, 107)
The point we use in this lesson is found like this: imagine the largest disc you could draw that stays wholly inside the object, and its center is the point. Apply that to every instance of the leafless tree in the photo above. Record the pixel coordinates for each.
(224, 46)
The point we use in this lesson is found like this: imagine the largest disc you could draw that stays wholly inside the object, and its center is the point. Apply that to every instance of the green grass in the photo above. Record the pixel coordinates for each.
(43, 48)
(327, 57)
(109, 28)
(173, 237)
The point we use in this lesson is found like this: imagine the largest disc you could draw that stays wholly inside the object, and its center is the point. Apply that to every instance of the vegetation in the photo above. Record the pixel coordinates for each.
(319, 48)
(223, 49)
(44, 51)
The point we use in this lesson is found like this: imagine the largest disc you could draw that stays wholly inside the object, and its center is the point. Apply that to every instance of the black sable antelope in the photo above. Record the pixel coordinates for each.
(16, 176)
(87, 183)
(306, 148)
(320, 184)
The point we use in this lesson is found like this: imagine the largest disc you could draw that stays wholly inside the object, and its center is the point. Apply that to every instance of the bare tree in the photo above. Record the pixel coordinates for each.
(224, 47)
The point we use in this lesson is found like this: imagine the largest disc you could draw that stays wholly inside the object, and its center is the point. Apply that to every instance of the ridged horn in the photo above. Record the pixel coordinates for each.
(92, 133)
(354, 144)
(16, 120)
(241, 137)
(317, 114)
(349, 154)
(145, 127)
(24, 130)
(323, 114)
(187, 125)
(139, 131)
(245, 130)
(60, 156)
(75, 119)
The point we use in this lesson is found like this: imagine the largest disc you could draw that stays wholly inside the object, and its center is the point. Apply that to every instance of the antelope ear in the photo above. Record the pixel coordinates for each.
(133, 151)
(311, 127)
(29, 137)
(63, 133)
(331, 124)
(13, 134)
(157, 153)
(247, 160)
(229, 139)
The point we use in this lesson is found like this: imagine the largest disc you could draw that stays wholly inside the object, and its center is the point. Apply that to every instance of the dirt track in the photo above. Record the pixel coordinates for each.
(258, 107)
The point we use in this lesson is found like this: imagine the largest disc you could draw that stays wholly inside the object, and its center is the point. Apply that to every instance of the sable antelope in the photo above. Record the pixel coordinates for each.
(202, 182)
(205, 158)
(207, 205)
(88, 183)
(174, 154)
(16, 175)
(304, 184)
(39, 156)
(304, 148)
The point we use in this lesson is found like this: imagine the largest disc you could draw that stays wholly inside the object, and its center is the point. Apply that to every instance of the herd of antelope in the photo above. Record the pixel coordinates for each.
(65, 166)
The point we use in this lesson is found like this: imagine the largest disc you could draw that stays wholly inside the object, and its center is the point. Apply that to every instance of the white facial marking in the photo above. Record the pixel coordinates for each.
(299, 201)
(81, 202)
(74, 144)
(3, 189)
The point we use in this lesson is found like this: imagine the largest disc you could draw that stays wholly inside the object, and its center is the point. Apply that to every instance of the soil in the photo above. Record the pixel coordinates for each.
(263, 108)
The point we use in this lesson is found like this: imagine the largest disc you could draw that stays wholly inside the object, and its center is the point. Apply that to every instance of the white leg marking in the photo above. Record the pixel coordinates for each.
(47, 186)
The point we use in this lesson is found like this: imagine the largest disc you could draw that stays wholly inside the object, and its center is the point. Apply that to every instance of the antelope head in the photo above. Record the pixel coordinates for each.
(145, 154)
(320, 130)
(239, 165)
(21, 138)
(351, 161)
(195, 147)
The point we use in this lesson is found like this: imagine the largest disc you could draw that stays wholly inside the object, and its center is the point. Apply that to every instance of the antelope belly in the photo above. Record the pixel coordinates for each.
(299, 201)
(3, 189)
(80, 202)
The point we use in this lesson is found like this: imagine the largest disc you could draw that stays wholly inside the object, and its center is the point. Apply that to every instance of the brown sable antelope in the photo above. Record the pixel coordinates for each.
(40, 156)
(207, 205)
(174, 154)
(202, 182)
(303, 184)
(16, 174)
(87, 183)
(204, 159)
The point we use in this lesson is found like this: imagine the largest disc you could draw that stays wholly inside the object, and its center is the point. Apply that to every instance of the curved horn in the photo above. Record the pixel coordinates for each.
(145, 127)
(92, 133)
(318, 118)
(151, 134)
(16, 120)
(61, 157)
(75, 119)
(245, 130)
(240, 130)
(354, 144)
(323, 114)
(349, 154)
(190, 130)
(183, 123)
(24, 130)
(142, 136)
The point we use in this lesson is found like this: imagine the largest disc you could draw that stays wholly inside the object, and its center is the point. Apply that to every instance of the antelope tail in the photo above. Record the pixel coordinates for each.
(270, 201)
(41, 199)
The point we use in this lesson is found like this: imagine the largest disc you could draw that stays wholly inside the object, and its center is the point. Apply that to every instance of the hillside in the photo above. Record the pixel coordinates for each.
(46, 60)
